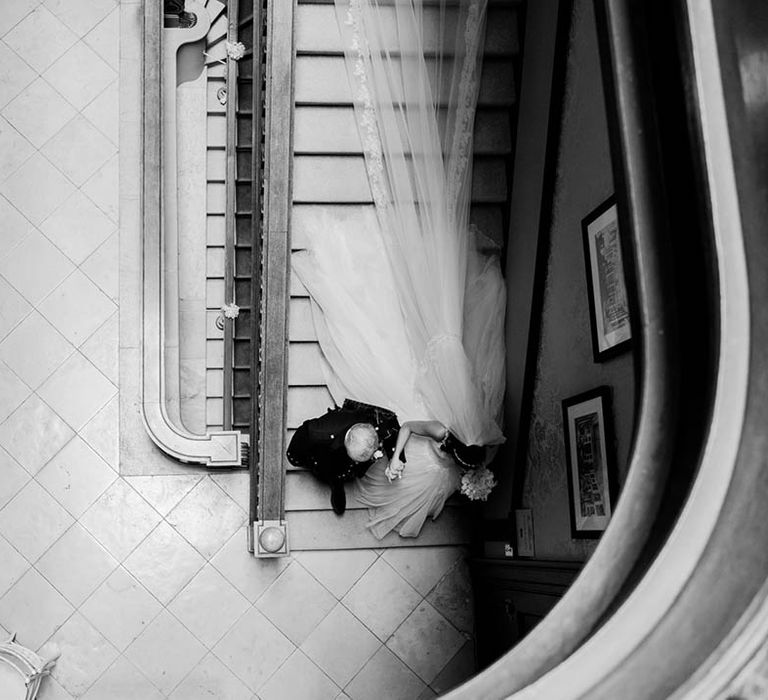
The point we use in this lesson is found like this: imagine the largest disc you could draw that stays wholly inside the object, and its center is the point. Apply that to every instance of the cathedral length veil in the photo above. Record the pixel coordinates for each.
(409, 309)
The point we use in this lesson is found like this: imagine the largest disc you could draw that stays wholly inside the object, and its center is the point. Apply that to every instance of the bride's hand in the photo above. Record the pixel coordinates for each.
(394, 469)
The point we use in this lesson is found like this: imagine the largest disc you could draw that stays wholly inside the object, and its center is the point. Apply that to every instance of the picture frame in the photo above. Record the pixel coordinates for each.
(591, 472)
(606, 284)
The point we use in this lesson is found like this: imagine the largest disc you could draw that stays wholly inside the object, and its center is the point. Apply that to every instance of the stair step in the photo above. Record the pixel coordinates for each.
(304, 492)
(311, 530)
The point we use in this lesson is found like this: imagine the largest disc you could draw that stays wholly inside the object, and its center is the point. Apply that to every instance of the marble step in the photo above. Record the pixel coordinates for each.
(312, 530)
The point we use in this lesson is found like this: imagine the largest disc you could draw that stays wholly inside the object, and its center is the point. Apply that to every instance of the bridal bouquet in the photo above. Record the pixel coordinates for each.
(477, 484)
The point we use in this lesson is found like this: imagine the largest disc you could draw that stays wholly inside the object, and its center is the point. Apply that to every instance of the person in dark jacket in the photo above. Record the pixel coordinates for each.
(342, 444)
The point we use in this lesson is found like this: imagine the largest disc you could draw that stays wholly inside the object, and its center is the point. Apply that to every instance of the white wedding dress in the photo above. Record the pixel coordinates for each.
(409, 310)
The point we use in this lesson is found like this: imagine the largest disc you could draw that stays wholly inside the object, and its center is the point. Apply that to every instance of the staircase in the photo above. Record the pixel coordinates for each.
(230, 214)
(329, 177)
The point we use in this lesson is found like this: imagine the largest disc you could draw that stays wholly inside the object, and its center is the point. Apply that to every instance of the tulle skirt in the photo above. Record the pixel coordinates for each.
(403, 505)
(365, 341)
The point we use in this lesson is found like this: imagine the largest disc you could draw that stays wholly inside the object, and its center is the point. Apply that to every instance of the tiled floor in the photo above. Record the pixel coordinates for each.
(145, 582)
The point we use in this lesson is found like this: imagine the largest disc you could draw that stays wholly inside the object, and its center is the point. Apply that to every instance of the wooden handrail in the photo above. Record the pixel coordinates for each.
(270, 509)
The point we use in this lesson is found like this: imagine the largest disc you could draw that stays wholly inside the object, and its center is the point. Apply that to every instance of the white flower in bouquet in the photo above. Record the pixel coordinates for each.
(230, 310)
(477, 484)
(235, 50)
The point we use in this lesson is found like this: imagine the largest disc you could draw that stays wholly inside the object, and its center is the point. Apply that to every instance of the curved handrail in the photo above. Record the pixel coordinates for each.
(215, 449)
(695, 626)
(601, 581)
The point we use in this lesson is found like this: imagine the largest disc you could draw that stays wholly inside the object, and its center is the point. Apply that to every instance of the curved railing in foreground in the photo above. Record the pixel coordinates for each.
(674, 602)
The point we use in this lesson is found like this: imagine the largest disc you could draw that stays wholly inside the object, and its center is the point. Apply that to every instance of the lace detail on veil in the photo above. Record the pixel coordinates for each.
(374, 154)
(466, 103)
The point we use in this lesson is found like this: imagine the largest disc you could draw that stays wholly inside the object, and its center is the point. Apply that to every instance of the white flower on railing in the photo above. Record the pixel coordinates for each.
(235, 50)
(477, 484)
(230, 310)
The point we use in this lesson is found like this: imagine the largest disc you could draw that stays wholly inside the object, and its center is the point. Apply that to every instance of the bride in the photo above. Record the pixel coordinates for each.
(409, 312)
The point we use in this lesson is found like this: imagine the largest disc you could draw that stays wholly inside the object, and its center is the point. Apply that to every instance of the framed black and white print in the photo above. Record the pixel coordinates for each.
(591, 472)
(608, 307)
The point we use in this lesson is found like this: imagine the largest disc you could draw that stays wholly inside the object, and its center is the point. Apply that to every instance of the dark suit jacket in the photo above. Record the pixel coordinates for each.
(318, 444)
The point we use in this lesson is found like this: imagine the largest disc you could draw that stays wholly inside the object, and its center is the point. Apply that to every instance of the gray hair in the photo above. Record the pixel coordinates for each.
(361, 442)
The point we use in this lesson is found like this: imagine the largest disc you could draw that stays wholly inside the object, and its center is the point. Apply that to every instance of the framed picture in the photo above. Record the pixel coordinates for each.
(591, 472)
(608, 307)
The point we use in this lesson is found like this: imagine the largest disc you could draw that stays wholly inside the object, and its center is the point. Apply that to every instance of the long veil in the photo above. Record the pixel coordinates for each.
(425, 309)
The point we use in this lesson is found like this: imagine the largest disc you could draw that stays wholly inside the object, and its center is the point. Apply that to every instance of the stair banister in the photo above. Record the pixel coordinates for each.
(213, 449)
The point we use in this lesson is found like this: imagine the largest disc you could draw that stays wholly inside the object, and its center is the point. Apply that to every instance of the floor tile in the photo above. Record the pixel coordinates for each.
(422, 567)
(251, 576)
(35, 266)
(341, 645)
(13, 306)
(104, 38)
(33, 434)
(14, 566)
(102, 267)
(14, 12)
(14, 148)
(165, 652)
(209, 680)
(77, 391)
(13, 392)
(16, 227)
(38, 112)
(92, 565)
(78, 227)
(34, 349)
(122, 681)
(253, 649)
(385, 677)
(102, 349)
(237, 485)
(299, 679)
(51, 689)
(76, 476)
(207, 517)
(452, 597)
(120, 519)
(13, 477)
(121, 608)
(382, 582)
(33, 609)
(102, 188)
(102, 433)
(15, 74)
(104, 112)
(80, 15)
(32, 521)
(77, 308)
(426, 641)
(296, 603)
(40, 38)
(164, 492)
(459, 669)
(208, 606)
(85, 655)
(36, 189)
(80, 75)
(164, 562)
(79, 150)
